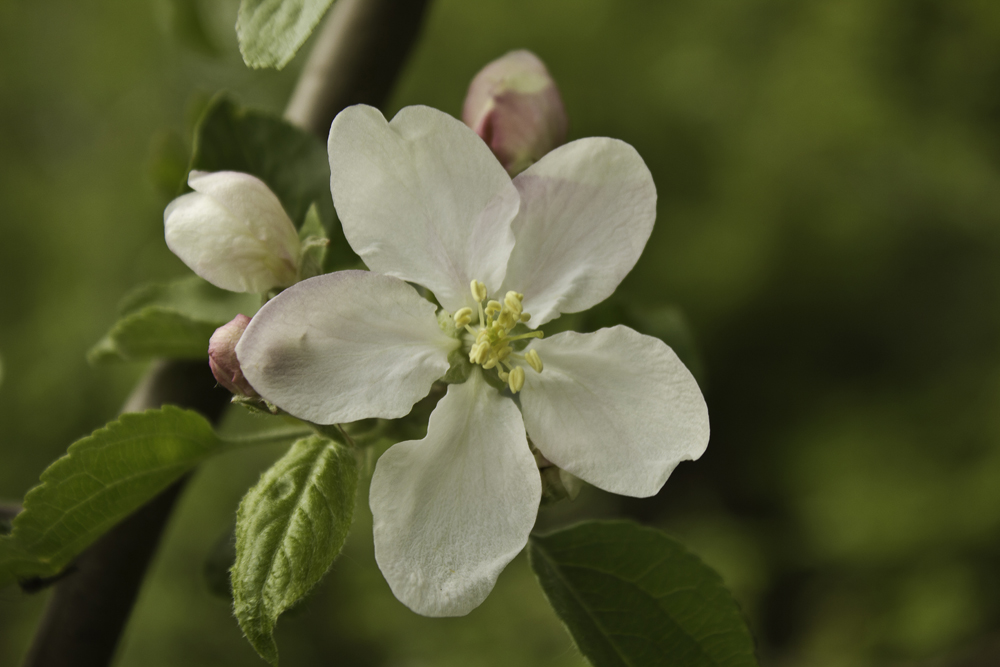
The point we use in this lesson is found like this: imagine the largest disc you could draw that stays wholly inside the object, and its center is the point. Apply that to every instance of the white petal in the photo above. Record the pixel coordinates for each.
(453, 509)
(233, 232)
(345, 346)
(249, 199)
(422, 198)
(616, 408)
(587, 209)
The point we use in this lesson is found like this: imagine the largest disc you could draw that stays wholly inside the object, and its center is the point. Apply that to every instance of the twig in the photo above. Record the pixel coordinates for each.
(357, 55)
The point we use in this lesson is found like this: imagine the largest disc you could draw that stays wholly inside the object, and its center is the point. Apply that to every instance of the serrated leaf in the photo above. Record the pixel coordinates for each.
(634, 597)
(102, 479)
(292, 162)
(289, 529)
(172, 320)
(271, 31)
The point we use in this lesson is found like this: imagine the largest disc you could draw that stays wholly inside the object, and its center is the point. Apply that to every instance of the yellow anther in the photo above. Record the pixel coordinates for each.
(479, 353)
(462, 317)
(513, 301)
(503, 376)
(504, 352)
(493, 307)
(516, 379)
(533, 360)
(491, 362)
(478, 290)
(525, 317)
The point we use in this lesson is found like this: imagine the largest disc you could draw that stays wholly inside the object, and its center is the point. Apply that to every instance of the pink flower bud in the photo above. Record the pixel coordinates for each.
(222, 357)
(514, 105)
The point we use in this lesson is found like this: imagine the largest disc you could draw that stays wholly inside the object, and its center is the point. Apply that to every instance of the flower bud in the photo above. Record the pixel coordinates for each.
(222, 357)
(514, 105)
(233, 232)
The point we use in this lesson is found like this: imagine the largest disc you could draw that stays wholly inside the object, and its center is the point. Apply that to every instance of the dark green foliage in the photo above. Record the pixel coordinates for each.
(170, 320)
(633, 597)
(292, 162)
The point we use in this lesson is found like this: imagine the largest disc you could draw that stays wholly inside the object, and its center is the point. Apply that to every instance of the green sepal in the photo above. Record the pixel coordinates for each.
(314, 242)
(493, 379)
(289, 529)
(558, 485)
(102, 479)
(174, 320)
(633, 597)
(459, 367)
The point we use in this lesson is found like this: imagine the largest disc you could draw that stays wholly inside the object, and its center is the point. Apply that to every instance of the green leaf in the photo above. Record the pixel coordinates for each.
(102, 479)
(292, 162)
(172, 320)
(271, 31)
(632, 597)
(289, 529)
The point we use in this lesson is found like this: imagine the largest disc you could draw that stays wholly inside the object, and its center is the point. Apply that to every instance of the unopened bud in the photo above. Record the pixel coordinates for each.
(233, 232)
(514, 105)
(222, 357)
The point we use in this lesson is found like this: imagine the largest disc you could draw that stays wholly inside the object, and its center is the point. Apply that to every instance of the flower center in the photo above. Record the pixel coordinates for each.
(491, 339)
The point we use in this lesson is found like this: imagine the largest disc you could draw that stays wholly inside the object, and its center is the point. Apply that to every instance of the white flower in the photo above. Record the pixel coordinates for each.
(423, 200)
(233, 232)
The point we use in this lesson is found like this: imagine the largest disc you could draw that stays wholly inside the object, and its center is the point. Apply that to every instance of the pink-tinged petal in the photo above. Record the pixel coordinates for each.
(515, 106)
(222, 357)
(587, 210)
(345, 346)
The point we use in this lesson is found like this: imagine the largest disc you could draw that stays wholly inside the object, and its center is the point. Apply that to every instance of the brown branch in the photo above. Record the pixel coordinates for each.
(357, 55)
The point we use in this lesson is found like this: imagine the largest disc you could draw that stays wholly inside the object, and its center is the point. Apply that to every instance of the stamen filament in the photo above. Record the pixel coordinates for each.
(533, 334)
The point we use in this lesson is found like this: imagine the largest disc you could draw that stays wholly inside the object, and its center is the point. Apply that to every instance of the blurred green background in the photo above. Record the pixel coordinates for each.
(829, 223)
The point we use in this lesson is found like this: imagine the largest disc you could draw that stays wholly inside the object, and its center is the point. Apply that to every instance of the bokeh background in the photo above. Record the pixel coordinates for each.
(827, 254)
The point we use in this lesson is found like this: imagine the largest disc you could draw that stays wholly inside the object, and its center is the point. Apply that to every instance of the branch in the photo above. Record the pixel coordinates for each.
(359, 52)
(358, 55)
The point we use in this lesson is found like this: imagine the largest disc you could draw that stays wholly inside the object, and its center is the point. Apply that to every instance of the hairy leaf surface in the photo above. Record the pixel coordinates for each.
(289, 529)
(634, 597)
(271, 31)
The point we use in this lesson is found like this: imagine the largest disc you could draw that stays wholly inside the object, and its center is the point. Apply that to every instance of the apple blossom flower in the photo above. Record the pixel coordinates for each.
(222, 357)
(423, 200)
(515, 106)
(233, 232)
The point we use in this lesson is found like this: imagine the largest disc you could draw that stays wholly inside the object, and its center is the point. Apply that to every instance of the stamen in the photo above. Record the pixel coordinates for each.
(531, 356)
(533, 334)
(462, 317)
(478, 290)
(491, 347)
(516, 380)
